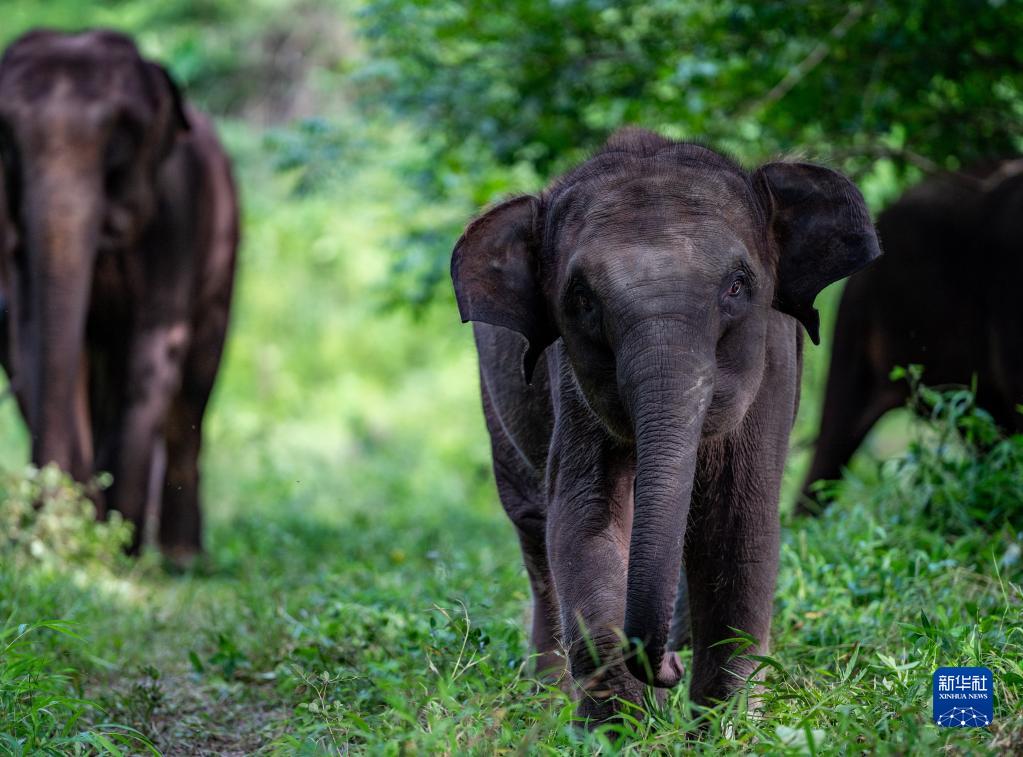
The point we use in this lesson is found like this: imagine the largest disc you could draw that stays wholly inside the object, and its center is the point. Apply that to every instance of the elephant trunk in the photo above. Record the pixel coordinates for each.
(668, 394)
(62, 219)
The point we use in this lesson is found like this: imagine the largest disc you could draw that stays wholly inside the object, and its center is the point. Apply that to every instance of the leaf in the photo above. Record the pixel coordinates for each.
(103, 743)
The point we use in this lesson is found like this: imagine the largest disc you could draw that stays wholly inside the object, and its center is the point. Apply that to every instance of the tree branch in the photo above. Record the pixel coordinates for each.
(798, 72)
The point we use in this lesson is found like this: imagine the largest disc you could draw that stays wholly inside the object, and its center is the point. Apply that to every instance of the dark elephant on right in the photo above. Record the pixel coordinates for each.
(943, 296)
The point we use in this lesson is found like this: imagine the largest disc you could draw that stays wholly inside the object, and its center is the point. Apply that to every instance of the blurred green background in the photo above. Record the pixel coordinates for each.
(346, 463)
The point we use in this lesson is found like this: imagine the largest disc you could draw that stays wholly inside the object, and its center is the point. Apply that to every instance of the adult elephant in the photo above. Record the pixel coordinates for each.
(938, 298)
(117, 269)
(639, 350)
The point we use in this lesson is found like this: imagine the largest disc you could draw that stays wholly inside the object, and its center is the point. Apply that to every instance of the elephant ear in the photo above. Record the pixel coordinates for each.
(823, 232)
(494, 268)
(171, 102)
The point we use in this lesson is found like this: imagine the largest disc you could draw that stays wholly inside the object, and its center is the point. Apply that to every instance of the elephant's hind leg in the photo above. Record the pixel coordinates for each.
(180, 522)
(521, 492)
(180, 529)
(153, 380)
(855, 399)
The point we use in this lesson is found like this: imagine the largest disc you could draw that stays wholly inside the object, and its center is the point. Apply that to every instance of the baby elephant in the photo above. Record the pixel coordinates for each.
(118, 229)
(644, 419)
(932, 301)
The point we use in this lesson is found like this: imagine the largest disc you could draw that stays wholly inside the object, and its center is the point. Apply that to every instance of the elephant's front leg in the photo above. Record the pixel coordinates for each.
(589, 525)
(154, 375)
(522, 499)
(731, 564)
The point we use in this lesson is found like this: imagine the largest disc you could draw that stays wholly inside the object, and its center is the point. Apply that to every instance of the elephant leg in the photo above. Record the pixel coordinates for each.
(520, 489)
(855, 399)
(588, 531)
(522, 501)
(842, 431)
(153, 380)
(180, 528)
(731, 563)
(180, 521)
(733, 538)
(731, 586)
(1000, 388)
(83, 454)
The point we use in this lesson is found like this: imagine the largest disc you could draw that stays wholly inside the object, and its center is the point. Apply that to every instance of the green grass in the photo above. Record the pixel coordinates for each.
(363, 589)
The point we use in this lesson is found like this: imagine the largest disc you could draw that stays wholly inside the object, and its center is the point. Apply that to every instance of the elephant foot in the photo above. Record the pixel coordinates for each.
(730, 684)
(603, 700)
(181, 558)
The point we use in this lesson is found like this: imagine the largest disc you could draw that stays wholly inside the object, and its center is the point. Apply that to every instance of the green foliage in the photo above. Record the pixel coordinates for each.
(960, 471)
(50, 534)
(544, 82)
(316, 151)
(918, 567)
(267, 60)
(39, 714)
(46, 518)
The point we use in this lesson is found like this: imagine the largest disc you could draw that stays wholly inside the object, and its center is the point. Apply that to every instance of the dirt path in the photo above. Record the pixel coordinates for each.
(183, 714)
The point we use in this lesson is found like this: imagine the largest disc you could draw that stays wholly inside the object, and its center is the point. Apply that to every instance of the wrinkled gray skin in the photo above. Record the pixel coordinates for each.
(654, 286)
(117, 254)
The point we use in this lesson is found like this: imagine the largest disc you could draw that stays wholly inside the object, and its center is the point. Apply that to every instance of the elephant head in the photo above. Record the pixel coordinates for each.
(85, 124)
(657, 264)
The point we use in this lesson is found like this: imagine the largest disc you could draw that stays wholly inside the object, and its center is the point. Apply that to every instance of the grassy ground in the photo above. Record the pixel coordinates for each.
(363, 589)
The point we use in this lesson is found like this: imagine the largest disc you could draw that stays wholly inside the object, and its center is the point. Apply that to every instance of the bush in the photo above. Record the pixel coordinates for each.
(49, 531)
(46, 518)
(961, 471)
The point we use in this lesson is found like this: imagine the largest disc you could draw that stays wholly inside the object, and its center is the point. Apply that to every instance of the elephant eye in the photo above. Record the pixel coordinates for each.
(738, 284)
(581, 299)
(582, 307)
